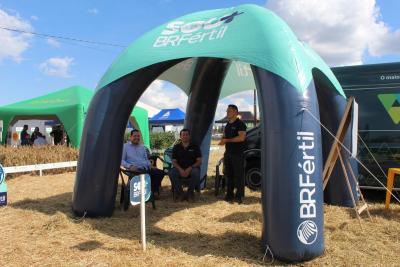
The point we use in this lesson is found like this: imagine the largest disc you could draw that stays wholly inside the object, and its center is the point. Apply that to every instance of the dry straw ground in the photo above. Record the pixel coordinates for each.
(28, 155)
(37, 228)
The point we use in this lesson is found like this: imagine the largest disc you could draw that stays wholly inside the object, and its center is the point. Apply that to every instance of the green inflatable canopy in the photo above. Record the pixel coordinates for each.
(232, 33)
(69, 106)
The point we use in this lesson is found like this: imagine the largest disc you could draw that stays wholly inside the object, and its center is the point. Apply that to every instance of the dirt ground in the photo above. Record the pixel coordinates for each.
(37, 228)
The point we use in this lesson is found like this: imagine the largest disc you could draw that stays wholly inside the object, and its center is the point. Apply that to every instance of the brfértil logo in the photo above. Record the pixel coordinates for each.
(391, 102)
(307, 232)
(180, 32)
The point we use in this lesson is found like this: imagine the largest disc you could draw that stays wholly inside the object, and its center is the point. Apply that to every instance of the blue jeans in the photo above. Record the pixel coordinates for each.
(191, 181)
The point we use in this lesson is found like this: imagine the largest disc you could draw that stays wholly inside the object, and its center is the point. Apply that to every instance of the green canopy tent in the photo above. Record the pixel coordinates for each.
(69, 106)
(209, 55)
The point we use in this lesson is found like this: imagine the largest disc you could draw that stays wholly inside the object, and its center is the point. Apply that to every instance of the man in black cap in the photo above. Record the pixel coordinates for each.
(234, 141)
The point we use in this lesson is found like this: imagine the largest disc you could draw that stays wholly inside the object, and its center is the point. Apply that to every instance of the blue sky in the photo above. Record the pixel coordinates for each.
(33, 66)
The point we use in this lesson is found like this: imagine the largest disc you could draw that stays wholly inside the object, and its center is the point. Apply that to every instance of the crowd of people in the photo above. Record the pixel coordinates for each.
(58, 135)
(187, 160)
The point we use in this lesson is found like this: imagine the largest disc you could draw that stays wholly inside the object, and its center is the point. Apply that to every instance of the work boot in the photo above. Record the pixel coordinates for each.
(228, 198)
(191, 197)
(177, 197)
(239, 200)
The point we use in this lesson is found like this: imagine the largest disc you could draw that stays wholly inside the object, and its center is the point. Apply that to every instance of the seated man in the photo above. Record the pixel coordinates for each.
(39, 140)
(186, 161)
(135, 158)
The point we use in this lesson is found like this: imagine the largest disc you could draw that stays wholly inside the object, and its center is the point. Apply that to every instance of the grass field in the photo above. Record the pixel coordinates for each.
(38, 228)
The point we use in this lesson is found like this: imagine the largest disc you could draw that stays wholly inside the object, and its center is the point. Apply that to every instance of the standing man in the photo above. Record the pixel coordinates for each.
(135, 158)
(186, 159)
(57, 135)
(234, 141)
(25, 137)
(34, 135)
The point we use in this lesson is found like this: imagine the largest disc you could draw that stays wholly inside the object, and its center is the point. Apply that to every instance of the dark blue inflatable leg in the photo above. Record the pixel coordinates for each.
(292, 194)
(101, 147)
(205, 153)
(206, 86)
(331, 109)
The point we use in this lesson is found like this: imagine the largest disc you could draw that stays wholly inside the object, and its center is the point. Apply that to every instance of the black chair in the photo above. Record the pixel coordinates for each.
(125, 190)
(184, 182)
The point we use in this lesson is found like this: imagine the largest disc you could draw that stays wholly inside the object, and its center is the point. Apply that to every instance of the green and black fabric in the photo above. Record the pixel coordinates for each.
(69, 106)
(210, 55)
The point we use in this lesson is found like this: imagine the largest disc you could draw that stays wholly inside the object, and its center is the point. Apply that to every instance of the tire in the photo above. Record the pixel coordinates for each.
(253, 176)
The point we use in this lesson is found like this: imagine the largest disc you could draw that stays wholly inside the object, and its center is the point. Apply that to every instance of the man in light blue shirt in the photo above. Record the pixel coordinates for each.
(135, 158)
(134, 154)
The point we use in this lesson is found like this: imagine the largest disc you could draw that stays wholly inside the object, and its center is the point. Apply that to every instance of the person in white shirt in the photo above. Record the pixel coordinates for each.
(40, 140)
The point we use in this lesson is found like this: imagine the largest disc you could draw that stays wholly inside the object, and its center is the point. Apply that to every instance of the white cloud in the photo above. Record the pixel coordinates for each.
(93, 11)
(243, 100)
(385, 43)
(341, 31)
(13, 44)
(161, 94)
(53, 42)
(58, 67)
(33, 17)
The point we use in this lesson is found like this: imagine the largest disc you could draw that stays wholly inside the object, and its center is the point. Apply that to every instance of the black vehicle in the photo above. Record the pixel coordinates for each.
(252, 156)
(376, 88)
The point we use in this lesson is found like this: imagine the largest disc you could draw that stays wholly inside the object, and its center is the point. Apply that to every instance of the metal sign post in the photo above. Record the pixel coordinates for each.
(140, 192)
(142, 212)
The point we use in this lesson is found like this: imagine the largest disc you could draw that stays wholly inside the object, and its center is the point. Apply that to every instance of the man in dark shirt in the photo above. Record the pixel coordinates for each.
(34, 135)
(57, 134)
(234, 141)
(186, 159)
(25, 138)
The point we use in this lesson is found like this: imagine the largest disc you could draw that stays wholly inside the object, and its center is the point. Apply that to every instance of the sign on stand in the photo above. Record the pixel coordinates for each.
(134, 188)
(3, 187)
(140, 192)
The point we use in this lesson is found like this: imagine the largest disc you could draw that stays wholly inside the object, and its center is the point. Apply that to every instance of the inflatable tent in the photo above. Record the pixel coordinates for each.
(168, 116)
(69, 106)
(210, 55)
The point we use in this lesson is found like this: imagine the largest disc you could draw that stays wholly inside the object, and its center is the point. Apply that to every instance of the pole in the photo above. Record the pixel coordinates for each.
(142, 213)
(255, 107)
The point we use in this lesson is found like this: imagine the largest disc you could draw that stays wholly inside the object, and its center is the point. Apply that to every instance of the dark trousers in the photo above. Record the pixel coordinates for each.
(156, 176)
(192, 181)
(234, 172)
